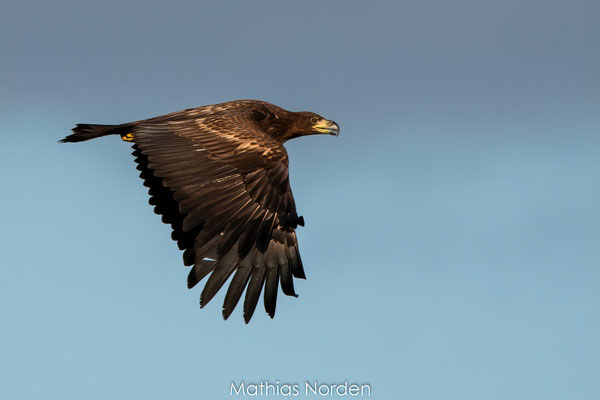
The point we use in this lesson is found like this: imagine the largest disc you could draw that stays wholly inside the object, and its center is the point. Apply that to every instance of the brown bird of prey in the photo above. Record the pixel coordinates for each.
(218, 175)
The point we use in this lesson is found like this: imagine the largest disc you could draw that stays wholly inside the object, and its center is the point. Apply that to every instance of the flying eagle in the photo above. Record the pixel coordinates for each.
(218, 174)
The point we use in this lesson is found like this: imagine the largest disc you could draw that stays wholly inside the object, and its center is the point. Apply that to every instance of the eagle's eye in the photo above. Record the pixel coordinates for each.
(258, 115)
(313, 120)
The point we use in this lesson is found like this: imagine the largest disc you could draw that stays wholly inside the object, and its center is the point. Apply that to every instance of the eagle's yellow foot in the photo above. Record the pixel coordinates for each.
(127, 138)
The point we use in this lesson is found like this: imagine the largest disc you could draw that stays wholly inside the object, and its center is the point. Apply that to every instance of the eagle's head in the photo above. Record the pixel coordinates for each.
(309, 123)
(285, 125)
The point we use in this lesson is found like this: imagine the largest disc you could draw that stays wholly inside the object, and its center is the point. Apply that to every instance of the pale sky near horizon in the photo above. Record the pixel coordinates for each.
(452, 229)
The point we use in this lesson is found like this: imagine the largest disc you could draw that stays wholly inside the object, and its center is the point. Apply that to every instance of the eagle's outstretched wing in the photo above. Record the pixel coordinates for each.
(223, 185)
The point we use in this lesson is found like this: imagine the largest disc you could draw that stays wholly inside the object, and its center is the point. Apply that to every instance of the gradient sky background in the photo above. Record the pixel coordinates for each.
(452, 243)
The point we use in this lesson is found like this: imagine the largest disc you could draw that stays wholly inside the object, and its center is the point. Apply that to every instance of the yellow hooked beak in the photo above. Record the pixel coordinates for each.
(326, 126)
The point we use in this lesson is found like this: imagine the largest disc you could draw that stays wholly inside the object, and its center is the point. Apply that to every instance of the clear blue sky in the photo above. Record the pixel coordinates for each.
(452, 243)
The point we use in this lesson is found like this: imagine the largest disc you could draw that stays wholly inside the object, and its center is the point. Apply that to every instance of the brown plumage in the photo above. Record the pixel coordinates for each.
(218, 175)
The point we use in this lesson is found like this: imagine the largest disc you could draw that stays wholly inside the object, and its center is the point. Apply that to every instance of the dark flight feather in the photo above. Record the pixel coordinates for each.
(222, 269)
(236, 288)
(253, 292)
(271, 283)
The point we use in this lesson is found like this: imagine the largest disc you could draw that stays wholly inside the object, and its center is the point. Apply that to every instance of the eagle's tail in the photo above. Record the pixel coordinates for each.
(83, 132)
